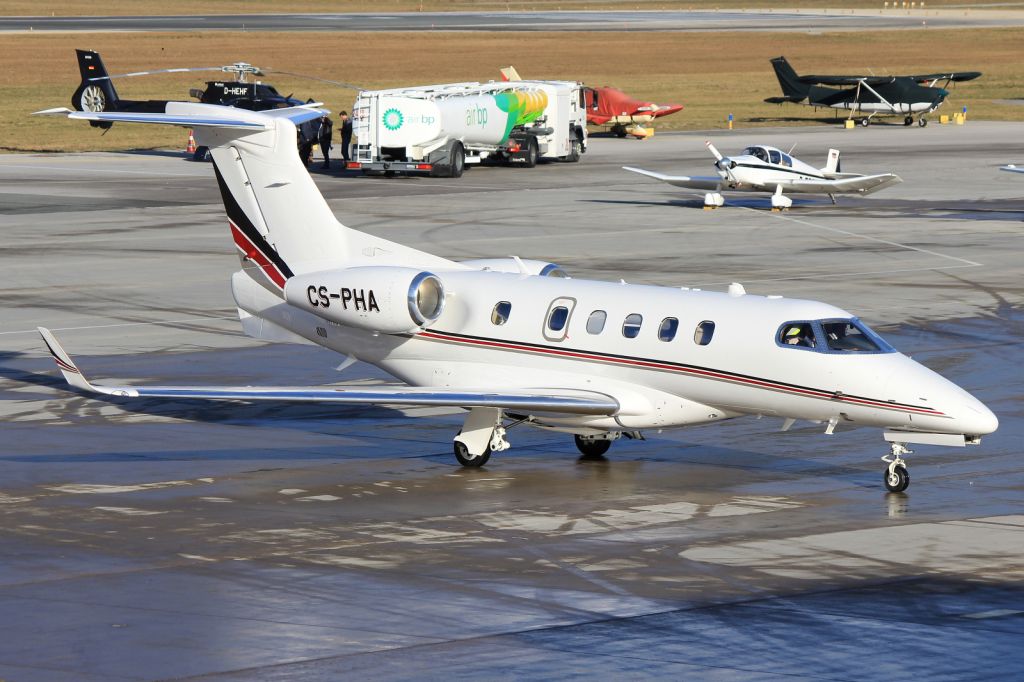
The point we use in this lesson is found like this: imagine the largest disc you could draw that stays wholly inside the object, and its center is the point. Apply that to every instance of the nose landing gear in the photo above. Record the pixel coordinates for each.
(896, 476)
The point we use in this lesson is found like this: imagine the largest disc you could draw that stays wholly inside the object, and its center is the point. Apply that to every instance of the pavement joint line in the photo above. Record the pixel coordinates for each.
(99, 170)
(870, 238)
(121, 324)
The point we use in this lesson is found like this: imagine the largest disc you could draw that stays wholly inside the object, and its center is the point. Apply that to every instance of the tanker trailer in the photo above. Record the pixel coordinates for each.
(438, 129)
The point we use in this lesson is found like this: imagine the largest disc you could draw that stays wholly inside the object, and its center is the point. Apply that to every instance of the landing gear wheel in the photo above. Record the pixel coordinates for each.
(468, 460)
(908, 121)
(897, 480)
(922, 121)
(592, 448)
(457, 161)
(532, 152)
(620, 131)
(865, 122)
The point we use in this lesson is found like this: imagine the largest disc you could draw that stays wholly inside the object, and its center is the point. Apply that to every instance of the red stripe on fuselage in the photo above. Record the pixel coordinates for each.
(693, 371)
(253, 253)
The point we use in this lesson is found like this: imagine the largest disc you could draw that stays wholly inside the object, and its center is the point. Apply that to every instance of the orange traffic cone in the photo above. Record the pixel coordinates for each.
(191, 148)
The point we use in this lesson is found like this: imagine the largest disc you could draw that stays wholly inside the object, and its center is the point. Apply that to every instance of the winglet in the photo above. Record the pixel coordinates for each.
(67, 366)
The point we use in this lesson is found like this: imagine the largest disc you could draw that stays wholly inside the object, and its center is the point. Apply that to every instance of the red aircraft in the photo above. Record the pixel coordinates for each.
(625, 115)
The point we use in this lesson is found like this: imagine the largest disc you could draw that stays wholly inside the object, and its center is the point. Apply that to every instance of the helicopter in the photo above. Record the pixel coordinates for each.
(96, 91)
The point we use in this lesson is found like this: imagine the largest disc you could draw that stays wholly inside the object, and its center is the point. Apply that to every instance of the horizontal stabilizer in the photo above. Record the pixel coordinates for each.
(555, 400)
(702, 183)
(195, 115)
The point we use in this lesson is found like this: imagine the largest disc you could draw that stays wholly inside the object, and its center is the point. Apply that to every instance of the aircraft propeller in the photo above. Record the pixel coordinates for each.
(723, 163)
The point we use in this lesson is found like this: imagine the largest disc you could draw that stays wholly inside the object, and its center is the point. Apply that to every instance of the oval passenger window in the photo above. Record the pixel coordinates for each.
(499, 315)
(595, 323)
(667, 330)
(556, 321)
(631, 325)
(702, 335)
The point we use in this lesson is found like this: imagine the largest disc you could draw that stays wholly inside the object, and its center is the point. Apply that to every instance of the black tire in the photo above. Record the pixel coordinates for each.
(922, 121)
(575, 149)
(865, 122)
(468, 460)
(897, 481)
(909, 120)
(532, 153)
(590, 447)
(457, 160)
(620, 131)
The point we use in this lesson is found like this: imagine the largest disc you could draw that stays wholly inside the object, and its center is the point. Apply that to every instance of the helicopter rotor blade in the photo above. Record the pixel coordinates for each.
(150, 73)
(350, 86)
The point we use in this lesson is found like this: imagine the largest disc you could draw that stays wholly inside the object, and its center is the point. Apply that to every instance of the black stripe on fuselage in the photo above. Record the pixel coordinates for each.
(784, 169)
(666, 365)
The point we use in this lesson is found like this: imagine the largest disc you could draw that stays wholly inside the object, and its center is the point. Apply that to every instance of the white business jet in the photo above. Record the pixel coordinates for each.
(513, 342)
(767, 169)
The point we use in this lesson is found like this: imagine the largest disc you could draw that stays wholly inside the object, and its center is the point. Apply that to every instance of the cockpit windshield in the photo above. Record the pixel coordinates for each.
(832, 336)
(758, 152)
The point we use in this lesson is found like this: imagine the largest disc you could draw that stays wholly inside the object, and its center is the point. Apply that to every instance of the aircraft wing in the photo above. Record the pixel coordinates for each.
(846, 80)
(557, 400)
(1012, 168)
(715, 184)
(862, 184)
(956, 76)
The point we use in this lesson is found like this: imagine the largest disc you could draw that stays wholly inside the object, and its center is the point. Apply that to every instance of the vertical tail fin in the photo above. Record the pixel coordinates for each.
(96, 91)
(832, 164)
(792, 88)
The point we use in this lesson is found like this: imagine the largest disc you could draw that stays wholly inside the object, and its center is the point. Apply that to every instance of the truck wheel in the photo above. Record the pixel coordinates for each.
(532, 152)
(457, 160)
(575, 149)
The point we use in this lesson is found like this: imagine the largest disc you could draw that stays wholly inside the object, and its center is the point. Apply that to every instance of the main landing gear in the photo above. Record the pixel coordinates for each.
(896, 476)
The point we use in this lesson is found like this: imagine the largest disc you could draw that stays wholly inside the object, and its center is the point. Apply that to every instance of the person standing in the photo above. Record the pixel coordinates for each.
(323, 137)
(346, 135)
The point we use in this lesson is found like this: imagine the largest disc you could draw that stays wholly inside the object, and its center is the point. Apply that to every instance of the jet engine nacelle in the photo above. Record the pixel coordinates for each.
(391, 300)
(531, 267)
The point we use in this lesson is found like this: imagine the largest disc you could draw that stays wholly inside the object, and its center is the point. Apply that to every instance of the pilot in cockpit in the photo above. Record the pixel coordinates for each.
(799, 335)
(759, 153)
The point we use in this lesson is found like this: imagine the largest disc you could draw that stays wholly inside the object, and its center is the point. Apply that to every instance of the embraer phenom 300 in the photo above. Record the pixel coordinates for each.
(513, 345)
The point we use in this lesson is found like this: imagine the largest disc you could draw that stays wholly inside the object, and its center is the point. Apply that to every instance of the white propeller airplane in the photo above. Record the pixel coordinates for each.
(766, 169)
(515, 341)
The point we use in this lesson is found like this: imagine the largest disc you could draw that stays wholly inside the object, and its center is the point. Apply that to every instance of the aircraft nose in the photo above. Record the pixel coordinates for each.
(975, 419)
(941, 94)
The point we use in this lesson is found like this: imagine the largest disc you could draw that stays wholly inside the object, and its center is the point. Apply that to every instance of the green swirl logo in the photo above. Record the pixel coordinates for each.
(393, 119)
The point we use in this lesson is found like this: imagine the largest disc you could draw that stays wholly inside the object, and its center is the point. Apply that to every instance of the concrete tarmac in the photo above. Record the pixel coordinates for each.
(666, 20)
(159, 539)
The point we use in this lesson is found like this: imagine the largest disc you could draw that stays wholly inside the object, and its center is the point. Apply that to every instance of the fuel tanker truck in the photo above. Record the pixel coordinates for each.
(438, 129)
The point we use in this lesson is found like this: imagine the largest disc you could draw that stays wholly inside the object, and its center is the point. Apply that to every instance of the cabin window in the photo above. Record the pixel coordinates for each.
(797, 334)
(668, 328)
(499, 315)
(595, 323)
(703, 333)
(786, 160)
(631, 325)
(557, 318)
(775, 156)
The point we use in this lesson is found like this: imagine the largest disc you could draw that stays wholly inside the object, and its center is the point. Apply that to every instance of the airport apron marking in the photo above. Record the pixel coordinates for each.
(664, 366)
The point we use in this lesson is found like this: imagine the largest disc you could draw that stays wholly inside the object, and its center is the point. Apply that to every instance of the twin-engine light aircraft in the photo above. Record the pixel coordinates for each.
(872, 95)
(767, 169)
(514, 345)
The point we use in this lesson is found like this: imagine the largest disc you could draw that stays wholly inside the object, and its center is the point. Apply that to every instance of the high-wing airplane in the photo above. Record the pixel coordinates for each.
(767, 169)
(871, 95)
(614, 109)
(514, 343)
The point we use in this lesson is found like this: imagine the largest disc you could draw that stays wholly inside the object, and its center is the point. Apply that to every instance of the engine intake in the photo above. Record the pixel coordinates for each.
(391, 300)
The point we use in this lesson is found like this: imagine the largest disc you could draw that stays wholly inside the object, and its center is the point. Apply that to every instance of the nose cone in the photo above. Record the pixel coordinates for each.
(957, 410)
(975, 419)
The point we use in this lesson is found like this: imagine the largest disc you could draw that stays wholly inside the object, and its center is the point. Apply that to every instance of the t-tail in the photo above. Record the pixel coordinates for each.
(792, 88)
(280, 223)
(96, 91)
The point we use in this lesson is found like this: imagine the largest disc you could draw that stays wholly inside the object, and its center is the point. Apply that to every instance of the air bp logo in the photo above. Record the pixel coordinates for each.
(393, 119)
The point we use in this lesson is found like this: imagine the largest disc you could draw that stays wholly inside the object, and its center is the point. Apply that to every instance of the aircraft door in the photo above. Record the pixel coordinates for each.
(556, 321)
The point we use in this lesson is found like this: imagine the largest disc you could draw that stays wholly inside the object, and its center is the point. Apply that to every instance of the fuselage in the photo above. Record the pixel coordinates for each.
(671, 357)
(765, 168)
(899, 96)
